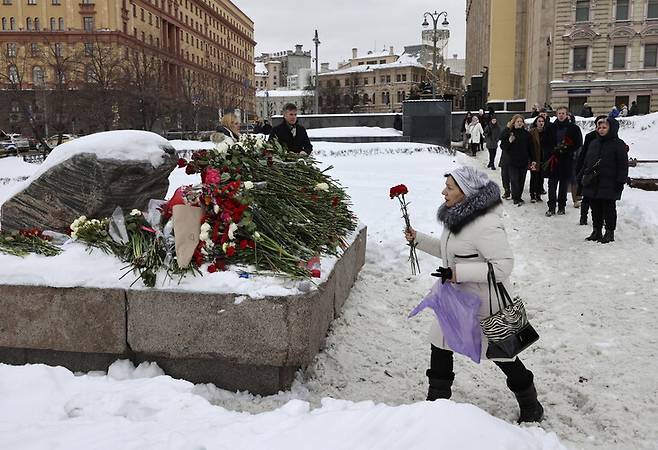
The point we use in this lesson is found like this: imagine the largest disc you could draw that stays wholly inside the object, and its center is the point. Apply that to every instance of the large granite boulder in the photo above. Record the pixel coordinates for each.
(91, 176)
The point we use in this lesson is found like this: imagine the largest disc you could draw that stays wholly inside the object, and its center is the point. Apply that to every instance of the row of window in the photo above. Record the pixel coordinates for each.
(619, 57)
(53, 2)
(56, 24)
(622, 10)
(383, 79)
(365, 99)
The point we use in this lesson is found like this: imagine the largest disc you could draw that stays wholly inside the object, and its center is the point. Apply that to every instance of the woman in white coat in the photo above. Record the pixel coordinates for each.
(473, 236)
(476, 133)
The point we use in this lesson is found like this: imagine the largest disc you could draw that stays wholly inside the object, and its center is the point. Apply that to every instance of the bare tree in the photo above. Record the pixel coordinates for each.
(146, 79)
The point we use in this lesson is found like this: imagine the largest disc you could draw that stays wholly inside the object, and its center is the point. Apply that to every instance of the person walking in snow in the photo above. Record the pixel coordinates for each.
(580, 162)
(542, 145)
(492, 137)
(559, 165)
(476, 134)
(603, 176)
(465, 136)
(516, 145)
(473, 236)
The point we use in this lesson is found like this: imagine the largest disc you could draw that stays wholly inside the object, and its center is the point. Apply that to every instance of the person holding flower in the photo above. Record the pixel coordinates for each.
(516, 144)
(542, 146)
(473, 236)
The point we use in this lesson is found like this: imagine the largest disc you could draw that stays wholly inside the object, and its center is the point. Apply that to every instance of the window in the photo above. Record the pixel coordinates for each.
(37, 75)
(382, 61)
(6, 2)
(28, 24)
(90, 76)
(619, 57)
(12, 24)
(652, 9)
(582, 10)
(643, 104)
(88, 23)
(57, 2)
(4, 23)
(61, 24)
(150, 19)
(11, 49)
(134, 10)
(53, 24)
(650, 56)
(576, 103)
(388, 78)
(580, 58)
(622, 10)
(404, 77)
(58, 49)
(31, 2)
(365, 80)
(89, 49)
(382, 79)
(142, 14)
(398, 78)
(37, 25)
(13, 74)
(34, 49)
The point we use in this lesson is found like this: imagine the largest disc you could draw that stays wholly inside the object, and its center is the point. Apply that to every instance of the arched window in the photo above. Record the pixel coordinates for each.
(12, 24)
(4, 23)
(61, 24)
(37, 25)
(28, 24)
(90, 76)
(53, 24)
(37, 75)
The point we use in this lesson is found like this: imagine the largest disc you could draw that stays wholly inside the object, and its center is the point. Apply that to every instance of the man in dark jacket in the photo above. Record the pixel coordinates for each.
(267, 128)
(291, 134)
(586, 111)
(568, 139)
(604, 174)
(633, 109)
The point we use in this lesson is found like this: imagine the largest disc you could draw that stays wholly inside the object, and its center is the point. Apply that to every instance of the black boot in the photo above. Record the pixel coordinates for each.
(608, 237)
(583, 220)
(439, 387)
(595, 236)
(530, 408)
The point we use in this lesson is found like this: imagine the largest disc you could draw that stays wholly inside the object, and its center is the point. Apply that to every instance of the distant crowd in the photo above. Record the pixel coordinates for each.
(593, 169)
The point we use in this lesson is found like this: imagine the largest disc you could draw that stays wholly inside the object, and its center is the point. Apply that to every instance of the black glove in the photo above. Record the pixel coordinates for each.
(445, 273)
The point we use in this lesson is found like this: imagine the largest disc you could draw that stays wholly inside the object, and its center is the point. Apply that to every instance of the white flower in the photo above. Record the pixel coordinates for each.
(222, 147)
(216, 209)
(322, 187)
(231, 231)
(248, 185)
(74, 235)
(225, 247)
(95, 222)
(82, 219)
(256, 236)
(205, 227)
(135, 212)
(216, 138)
(204, 236)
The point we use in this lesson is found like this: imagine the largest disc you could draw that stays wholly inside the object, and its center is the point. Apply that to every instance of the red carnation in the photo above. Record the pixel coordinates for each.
(244, 244)
(315, 273)
(182, 162)
(190, 169)
(398, 190)
(230, 251)
(212, 268)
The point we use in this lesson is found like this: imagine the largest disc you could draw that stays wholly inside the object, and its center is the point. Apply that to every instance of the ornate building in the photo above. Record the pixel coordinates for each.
(201, 50)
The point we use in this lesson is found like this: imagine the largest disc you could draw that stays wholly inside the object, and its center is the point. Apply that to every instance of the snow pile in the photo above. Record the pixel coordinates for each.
(331, 149)
(353, 132)
(50, 407)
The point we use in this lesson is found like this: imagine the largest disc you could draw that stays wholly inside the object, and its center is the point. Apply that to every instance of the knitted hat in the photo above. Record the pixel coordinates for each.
(469, 179)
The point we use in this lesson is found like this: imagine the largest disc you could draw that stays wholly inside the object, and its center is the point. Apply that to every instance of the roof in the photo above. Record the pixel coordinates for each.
(401, 62)
(261, 69)
(282, 93)
(457, 66)
(382, 54)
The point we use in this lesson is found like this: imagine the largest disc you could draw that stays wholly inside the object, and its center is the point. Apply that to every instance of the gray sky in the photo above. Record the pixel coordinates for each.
(343, 24)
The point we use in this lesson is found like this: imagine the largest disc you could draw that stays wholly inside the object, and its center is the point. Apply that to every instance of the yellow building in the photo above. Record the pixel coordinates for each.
(206, 47)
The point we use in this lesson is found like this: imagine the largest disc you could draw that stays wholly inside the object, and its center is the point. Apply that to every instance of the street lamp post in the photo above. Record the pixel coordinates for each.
(435, 20)
(316, 102)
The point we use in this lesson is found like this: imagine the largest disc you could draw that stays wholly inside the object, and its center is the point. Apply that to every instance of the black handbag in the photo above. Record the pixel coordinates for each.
(591, 175)
(508, 331)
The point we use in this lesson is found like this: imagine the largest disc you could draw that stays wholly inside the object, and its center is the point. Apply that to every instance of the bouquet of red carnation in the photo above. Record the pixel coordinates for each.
(399, 192)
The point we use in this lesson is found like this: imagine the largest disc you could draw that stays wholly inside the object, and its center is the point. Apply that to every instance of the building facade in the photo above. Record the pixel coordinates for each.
(202, 50)
(291, 62)
(271, 103)
(606, 54)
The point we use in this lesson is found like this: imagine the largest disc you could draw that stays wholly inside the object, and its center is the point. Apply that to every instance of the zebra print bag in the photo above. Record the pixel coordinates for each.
(508, 331)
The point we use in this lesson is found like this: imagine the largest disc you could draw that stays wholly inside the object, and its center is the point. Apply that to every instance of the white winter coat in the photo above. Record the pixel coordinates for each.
(467, 253)
(476, 132)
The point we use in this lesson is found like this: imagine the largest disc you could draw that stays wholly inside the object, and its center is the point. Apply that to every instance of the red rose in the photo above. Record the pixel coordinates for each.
(212, 268)
(220, 264)
(182, 162)
(243, 244)
(230, 251)
(211, 176)
(315, 273)
(190, 169)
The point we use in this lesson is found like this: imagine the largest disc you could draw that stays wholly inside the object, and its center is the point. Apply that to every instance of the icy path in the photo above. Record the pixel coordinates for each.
(593, 305)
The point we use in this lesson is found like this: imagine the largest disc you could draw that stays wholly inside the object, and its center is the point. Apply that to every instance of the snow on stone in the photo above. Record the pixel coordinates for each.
(284, 93)
(353, 132)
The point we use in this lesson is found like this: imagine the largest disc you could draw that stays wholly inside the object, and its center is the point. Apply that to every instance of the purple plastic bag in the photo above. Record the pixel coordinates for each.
(457, 312)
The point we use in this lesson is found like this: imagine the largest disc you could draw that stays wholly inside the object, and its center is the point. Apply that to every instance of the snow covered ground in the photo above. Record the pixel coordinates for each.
(595, 364)
(353, 132)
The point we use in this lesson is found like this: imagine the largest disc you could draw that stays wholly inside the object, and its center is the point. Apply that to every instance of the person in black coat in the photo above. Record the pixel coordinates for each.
(586, 111)
(580, 162)
(632, 111)
(603, 176)
(543, 144)
(291, 134)
(267, 128)
(559, 166)
(516, 144)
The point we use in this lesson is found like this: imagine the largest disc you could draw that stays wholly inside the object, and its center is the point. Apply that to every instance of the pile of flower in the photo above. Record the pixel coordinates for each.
(261, 207)
(27, 241)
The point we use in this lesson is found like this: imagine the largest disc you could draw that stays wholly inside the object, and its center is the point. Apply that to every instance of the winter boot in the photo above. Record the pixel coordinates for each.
(608, 237)
(595, 236)
(550, 213)
(583, 220)
(439, 387)
(507, 195)
(530, 408)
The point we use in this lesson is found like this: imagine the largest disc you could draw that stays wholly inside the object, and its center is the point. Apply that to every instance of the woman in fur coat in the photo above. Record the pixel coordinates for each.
(473, 236)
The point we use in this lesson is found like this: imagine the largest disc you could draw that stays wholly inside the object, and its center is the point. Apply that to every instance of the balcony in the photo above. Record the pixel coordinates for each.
(87, 8)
